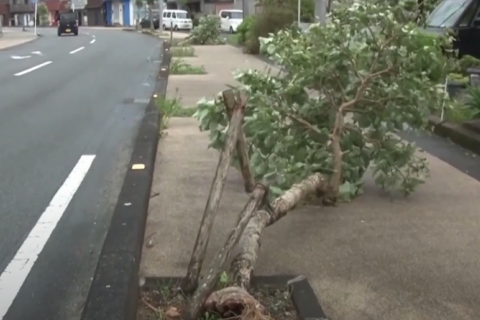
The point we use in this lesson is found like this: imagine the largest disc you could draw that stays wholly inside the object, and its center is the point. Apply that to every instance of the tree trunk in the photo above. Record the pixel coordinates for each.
(258, 196)
(150, 17)
(244, 263)
(241, 147)
(190, 282)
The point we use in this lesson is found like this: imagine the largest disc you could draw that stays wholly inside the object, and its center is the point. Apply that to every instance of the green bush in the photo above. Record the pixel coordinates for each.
(466, 62)
(473, 102)
(270, 20)
(244, 28)
(207, 31)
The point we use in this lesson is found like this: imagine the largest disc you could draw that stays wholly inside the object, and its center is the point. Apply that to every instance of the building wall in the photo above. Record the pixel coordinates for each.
(214, 8)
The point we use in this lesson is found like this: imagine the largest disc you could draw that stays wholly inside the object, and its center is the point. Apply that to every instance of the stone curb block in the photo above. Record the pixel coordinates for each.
(303, 297)
(460, 134)
(114, 290)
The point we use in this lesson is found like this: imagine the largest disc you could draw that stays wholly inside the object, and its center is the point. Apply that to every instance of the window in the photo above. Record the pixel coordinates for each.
(447, 13)
(169, 14)
(236, 15)
(164, 14)
(468, 15)
(224, 14)
(174, 16)
(183, 15)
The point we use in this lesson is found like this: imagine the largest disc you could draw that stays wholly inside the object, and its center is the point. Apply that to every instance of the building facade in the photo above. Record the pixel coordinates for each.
(119, 13)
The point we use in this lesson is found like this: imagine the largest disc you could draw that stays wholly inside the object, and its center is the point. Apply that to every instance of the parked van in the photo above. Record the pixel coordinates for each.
(230, 20)
(176, 19)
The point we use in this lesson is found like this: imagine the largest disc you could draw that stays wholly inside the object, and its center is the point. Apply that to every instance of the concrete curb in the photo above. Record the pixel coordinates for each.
(20, 44)
(460, 134)
(114, 290)
(303, 297)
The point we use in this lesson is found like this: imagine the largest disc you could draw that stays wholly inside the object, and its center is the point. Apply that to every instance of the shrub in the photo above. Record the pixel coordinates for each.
(466, 62)
(473, 102)
(244, 28)
(207, 31)
(270, 20)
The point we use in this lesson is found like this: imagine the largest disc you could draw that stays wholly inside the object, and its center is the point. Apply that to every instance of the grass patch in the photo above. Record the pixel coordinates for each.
(179, 66)
(182, 52)
(172, 108)
(232, 39)
(166, 301)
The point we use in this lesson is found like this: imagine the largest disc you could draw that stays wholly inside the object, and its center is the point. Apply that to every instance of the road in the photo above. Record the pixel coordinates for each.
(68, 118)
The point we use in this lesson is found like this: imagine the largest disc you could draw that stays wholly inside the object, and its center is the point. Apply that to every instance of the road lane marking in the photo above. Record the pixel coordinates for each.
(11, 280)
(76, 50)
(93, 41)
(33, 68)
(20, 57)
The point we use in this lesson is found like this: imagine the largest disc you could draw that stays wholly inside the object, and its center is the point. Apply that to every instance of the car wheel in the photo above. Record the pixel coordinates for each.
(59, 34)
(164, 27)
(175, 28)
(231, 30)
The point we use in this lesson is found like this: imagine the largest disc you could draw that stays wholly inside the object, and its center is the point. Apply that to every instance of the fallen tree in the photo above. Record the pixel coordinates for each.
(315, 130)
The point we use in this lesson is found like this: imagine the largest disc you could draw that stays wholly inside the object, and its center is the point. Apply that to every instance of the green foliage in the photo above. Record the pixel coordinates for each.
(467, 62)
(473, 102)
(42, 12)
(244, 28)
(271, 20)
(351, 86)
(459, 78)
(182, 51)
(139, 4)
(179, 66)
(207, 31)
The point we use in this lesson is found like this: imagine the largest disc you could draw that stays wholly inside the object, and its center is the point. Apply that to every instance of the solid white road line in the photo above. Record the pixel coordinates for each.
(18, 269)
(76, 50)
(32, 69)
(93, 41)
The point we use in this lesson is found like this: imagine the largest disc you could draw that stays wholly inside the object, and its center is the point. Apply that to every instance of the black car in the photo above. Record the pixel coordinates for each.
(463, 16)
(67, 23)
(145, 22)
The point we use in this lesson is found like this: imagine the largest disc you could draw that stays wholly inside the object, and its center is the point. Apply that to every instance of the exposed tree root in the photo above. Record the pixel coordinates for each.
(235, 301)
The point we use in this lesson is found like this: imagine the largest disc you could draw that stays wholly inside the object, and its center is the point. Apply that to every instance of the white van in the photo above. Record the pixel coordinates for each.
(176, 19)
(230, 20)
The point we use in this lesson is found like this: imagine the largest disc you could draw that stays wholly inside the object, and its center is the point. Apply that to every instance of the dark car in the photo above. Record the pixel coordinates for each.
(463, 16)
(145, 22)
(67, 23)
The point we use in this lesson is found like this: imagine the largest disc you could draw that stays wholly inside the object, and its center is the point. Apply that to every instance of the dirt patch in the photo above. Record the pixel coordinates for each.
(156, 301)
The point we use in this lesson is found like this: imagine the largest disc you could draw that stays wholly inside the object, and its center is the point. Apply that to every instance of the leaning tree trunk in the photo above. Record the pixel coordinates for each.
(244, 263)
(190, 282)
(241, 147)
(258, 197)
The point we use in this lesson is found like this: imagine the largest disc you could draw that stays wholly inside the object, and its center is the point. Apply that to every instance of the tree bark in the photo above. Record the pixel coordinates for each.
(241, 147)
(258, 196)
(150, 16)
(190, 282)
(235, 302)
(250, 242)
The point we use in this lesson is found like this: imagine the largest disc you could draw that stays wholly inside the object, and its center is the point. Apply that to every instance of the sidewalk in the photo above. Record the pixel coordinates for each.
(13, 37)
(377, 258)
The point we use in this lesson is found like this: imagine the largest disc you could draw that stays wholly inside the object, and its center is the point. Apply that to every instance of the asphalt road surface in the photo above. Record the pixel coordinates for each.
(70, 108)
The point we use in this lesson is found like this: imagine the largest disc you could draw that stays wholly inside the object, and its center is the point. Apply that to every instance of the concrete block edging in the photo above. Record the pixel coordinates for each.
(114, 290)
(460, 134)
(303, 297)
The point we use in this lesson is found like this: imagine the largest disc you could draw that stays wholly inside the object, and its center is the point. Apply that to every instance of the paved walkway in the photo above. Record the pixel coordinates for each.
(416, 258)
(11, 37)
